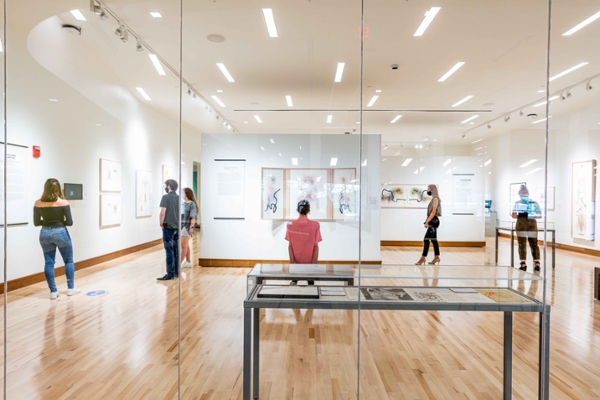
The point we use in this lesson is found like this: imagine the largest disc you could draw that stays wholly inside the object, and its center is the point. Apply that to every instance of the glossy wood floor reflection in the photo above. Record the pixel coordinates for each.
(124, 345)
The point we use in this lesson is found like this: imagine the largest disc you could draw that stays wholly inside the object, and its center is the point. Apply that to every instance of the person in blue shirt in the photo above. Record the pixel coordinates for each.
(527, 211)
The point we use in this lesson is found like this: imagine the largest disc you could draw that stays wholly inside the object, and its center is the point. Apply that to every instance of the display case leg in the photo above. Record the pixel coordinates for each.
(553, 249)
(497, 233)
(512, 248)
(247, 352)
(544, 363)
(256, 355)
(508, 331)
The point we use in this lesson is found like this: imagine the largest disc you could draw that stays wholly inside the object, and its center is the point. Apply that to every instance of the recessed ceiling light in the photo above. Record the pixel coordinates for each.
(157, 64)
(372, 101)
(533, 170)
(448, 161)
(378, 91)
(544, 102)
(219, 102)
(582, 24)
(288, 99)
(98, 124)
(358, 122)
(541, 120)
(143, 93)
(469, 119)
(541, 91)
(488, 162)
(329, 118)
(53, 100)
(429, 16)
(462, 101)
(294, 161)
(272, 141)
(78, 15)
(225, 72)
(339, 72)
(396, 119)
(364, 164)
(452, 70)
(333, 161)
(257, 118)
(477, 141)
(406, 162)
(270, 22)
(262, 148)
(280, 155)
(569, 70)
(219, 91)
(156, 14)
(245, 122)
(528, 163)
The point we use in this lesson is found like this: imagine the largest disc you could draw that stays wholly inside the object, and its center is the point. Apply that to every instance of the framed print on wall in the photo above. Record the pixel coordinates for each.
(168, 172)
(111, 211)
(110, 176)
(310, 185)
(143, 193)
(583, 195)
(273, 191)
(344, 192)
(541, 198)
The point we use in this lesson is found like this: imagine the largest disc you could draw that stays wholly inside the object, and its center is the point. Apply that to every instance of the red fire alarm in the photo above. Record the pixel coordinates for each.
(36, 151)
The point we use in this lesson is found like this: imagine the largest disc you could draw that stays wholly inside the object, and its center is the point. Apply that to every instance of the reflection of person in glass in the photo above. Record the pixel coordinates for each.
(432, 222)
(526, 211)
(303, 236)
(169, 222)
(189, 215)
(53, 213)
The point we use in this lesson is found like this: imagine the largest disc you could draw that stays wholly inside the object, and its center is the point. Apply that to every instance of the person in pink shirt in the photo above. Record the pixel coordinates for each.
(303, 236)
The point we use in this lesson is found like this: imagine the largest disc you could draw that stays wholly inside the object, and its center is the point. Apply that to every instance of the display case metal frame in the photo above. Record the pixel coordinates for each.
(253, 306)
(512, 231)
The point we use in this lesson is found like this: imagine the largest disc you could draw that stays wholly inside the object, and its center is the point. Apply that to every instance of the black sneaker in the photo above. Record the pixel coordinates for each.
(167, 277)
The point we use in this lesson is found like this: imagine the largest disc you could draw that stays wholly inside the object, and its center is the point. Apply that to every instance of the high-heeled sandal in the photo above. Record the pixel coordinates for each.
(421, 261)
(436, 260)
(523, 266)
(537, 266)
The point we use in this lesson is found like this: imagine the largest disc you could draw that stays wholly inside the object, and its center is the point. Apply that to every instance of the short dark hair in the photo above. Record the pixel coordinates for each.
(303, 207)
(172, 183)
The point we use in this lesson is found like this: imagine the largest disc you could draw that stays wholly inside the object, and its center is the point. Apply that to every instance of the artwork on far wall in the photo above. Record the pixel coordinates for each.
(538, 196)
(273, 191)
(583, 194)
(513, 193)
(110, 210)
(344, 193)
(310, 185)
(404, 196)
(168, 172)
(110, 176)
(143, 193)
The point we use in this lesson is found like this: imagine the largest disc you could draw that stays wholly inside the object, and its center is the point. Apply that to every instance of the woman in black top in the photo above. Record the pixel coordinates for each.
(53, 213)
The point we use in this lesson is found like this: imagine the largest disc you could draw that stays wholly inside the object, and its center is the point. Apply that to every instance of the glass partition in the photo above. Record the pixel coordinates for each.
(93, 103)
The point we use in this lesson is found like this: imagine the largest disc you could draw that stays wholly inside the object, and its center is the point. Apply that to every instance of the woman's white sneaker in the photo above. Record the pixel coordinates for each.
(54, 295)
(73, 291)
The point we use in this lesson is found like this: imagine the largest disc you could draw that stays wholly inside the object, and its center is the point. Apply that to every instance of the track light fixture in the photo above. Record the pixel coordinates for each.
(464, 135)
(103, 15)
(95, 7)
(119, 30)
(489, 126)
(125, 36)
(507, 118)
(568, 93)
(138, 46)
(189, 91)
(588, 85)
(521, 113)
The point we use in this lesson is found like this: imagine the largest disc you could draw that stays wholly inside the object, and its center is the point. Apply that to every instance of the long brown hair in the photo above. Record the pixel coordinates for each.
(52, 191)
(434, 192)
(189, 194)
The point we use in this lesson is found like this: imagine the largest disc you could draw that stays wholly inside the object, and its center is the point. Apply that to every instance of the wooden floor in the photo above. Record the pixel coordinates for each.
(124, 345)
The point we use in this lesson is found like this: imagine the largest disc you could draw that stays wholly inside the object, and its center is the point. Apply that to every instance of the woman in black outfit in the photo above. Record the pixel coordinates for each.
(434, 211)
(53, 213)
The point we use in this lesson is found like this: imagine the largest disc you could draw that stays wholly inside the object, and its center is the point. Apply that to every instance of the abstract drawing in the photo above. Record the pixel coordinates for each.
(310, 185)
(143, 193)
(272, 193)
(382, 293)
(110, 176)
(429, 297)
(583, 193)
(344, 192)
(539, 196)
(168, 172)
(404, 196)
(503, 296)
(110, 210)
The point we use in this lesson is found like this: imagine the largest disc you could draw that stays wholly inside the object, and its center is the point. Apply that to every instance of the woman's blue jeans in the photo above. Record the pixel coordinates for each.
(50, 239)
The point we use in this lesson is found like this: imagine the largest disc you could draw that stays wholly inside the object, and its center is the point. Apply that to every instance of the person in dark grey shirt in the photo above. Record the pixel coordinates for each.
(169, 222)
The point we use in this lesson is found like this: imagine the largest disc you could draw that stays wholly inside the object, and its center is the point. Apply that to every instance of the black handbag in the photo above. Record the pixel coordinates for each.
(435, 222)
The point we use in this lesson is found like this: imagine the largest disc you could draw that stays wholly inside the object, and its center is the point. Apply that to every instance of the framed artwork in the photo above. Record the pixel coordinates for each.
(110, 176)
(404, 196)
(538, 196)
(110, 210)
(583, 194)
(143, 193)
(513, 193)
(273, 191)
(310, 185)
(344, 193)
(231, 187)
(168, 172)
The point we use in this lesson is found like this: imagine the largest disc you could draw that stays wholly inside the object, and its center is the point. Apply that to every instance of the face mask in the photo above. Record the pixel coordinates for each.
(429, 193)
(524, 199)
(167, 190)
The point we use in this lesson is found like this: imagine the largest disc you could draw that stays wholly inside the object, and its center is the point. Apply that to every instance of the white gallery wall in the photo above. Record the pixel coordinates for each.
(573, 138)
(434, 166)
(74, 132)
(256, 239)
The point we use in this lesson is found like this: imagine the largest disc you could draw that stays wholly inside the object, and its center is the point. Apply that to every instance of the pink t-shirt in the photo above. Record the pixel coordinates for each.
(303, 234)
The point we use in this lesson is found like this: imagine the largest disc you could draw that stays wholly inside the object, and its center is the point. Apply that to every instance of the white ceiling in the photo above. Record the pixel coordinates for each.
(503, 44)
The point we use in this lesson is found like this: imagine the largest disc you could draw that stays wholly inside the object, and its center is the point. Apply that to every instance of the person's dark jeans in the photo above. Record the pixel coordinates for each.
(171, 242)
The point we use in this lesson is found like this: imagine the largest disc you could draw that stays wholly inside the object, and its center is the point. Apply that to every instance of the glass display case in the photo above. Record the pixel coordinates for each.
(510, 227)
